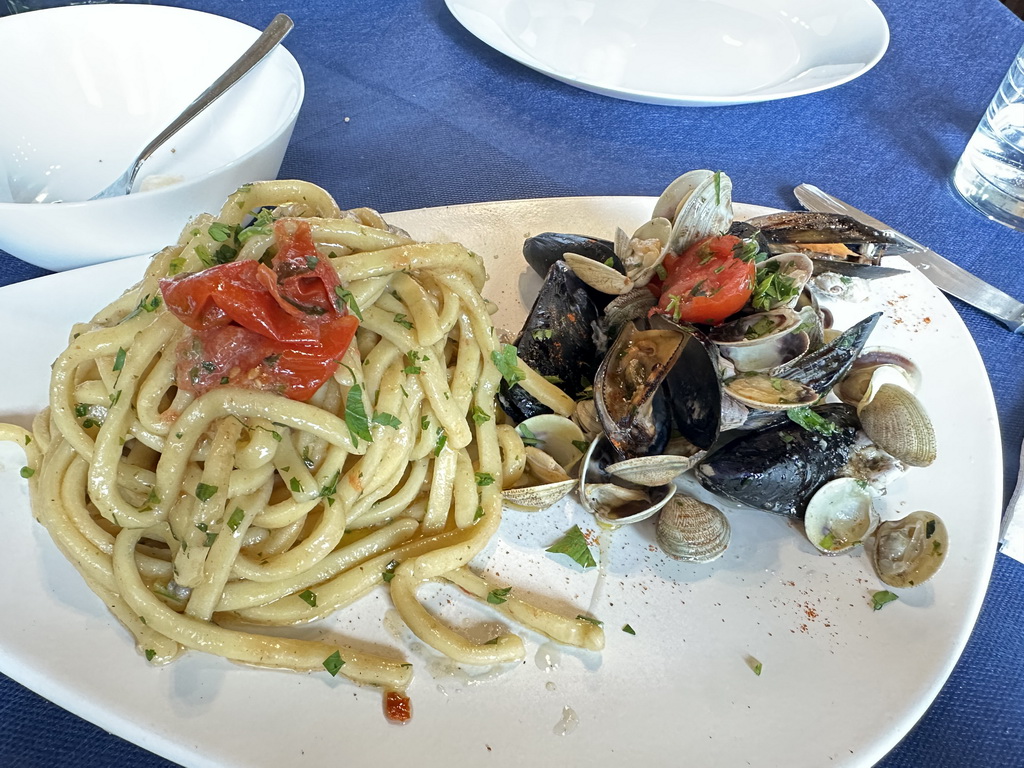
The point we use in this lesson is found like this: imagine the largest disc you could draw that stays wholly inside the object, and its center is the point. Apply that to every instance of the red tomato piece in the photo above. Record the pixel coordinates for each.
(279, 329)
(397, 707)
(707, 283)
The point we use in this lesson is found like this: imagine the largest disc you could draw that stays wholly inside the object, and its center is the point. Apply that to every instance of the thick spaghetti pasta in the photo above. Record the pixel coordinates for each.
(204, 490)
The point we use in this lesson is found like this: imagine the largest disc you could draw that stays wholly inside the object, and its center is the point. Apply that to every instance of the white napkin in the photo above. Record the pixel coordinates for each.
(1011, 540)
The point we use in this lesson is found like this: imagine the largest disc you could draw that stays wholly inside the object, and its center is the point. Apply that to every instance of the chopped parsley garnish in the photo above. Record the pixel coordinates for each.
(581, 445)
(81, 410)
(499, 596)
(574, 544)
(528, 437)
(762, 327)
(150, 654)
(389, 570)
(295, 485)
(412, 370)
(334, 663)
(220, 231)
(591, 619)
(309, 596)
(345, 298)
(400, 319)
(175, 266)
(483, 478)
(331, 488)
(811, 421)
(479, 416)
(756, 666)
(388, 420)
(236, 518)
(878, 599)
(506, 362)
(628, 629)
(772, 287)
(828, 542)
(27, 472)
(747, 250)
(205, 492)
(442, 438)
(556, 380)
(425, 422)
(542, 333)
(478, 514)
(355, 415)
(119, 358)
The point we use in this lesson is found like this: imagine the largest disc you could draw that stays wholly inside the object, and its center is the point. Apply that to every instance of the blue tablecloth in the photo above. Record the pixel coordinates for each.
(405, 109)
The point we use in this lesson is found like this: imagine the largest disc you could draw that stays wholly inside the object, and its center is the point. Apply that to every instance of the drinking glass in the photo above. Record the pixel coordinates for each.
(990, 173)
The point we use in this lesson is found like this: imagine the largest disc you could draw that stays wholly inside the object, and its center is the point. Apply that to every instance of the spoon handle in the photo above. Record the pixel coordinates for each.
(264, 44)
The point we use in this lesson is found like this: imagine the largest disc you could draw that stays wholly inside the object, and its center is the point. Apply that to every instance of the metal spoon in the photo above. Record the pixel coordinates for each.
(265, 43)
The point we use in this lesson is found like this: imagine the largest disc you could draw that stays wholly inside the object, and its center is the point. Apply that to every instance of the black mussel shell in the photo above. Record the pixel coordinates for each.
(695, 393)
(747, 231)
(779, 468)
(822, 368)
(543, 250)
(809, 227)
(557, 341)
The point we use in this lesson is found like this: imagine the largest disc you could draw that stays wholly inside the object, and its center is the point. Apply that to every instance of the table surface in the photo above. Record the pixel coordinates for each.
(405, 109)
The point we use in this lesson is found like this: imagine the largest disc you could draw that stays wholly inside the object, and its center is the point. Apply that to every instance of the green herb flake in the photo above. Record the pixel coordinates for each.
(295, 485)
(878, 599)
(574, 544)
(506, 362)
(210, 538)
(345, 298)
(412, 370)
(542, 334)
(479, 415)
(442, 438)
(591, 619)
(220, 231)
(334, 663)
(150, 654)
(389, 570)
(661, 271)
(483, 478)
(828, 542)
(27, 472)
(811, 421)
(581, 445)
(499, 596)
(119, 358)
(425, 423)
(309, 596)
(81, 410)
(355, 415)
(205, 492)
(756, 666)
(480, 513)
(628, 629)
(400, 319)
(175, 266)
(387, 420)
(528, 437)
(929, 529)
(236, 518)
(331, 488)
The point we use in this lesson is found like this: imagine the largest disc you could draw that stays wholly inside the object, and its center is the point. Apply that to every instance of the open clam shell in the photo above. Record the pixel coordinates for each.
(777, 352)
(769, 393)
(892, 366)
(840, 515)
(780, 280)
(652, 471)
(757, 328)
(617, 505)
(910, 551)
(691, 530)
(559, 437)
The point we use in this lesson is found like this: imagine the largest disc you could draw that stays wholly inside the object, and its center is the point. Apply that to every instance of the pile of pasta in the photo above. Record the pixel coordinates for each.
(200, 518)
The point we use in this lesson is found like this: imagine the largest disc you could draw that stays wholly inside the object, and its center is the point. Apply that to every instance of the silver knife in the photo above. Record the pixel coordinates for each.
(946, 275)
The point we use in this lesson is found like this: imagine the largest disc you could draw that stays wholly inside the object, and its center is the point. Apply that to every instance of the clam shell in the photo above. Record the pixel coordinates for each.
(538, 496)
(652, 471)
(688, 529)
(891, 366)
(795, 269)
(597, 275)
(779, 351)
(617, 505)
(757, 328)
(556, 436)
(908, 552)
(897, 423)
(769, 393)
(839, 515)
(544, 467)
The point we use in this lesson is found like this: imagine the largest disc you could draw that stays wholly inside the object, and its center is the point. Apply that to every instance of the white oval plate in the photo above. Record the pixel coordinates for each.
(840, 683)
(685, 52)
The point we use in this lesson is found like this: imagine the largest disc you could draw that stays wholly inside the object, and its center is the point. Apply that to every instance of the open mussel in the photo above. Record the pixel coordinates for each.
(835, 242)
(543, 250)
(778, 468)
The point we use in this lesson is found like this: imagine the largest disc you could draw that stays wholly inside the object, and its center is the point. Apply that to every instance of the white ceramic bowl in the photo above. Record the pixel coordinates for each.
(86, 87)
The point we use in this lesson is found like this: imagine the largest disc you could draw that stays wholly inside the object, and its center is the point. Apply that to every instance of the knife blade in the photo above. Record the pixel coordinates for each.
(947, 276)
